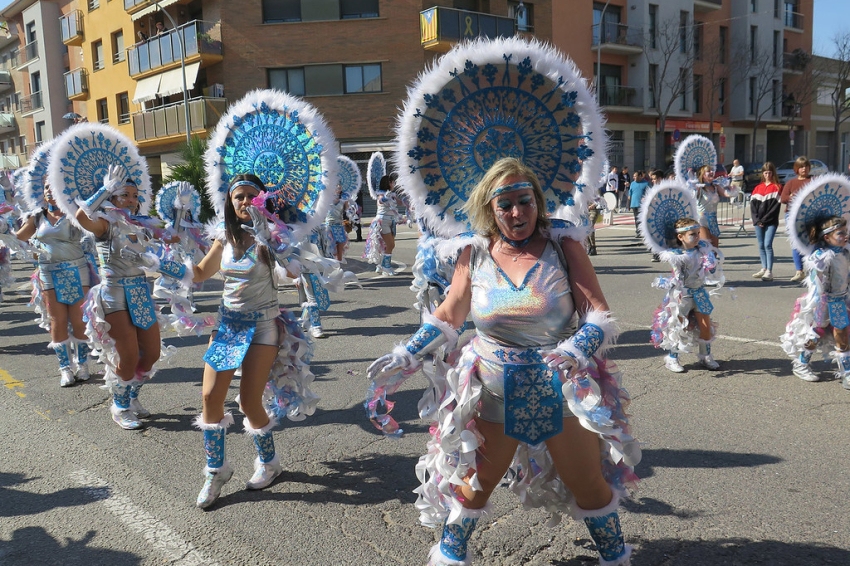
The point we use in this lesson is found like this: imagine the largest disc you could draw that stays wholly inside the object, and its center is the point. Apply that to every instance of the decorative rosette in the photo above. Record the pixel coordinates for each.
(490, 99)
(375, 171)
(821, 198)
(693, 153)
(166, 198)
(80, 158)
(34, 177)
(285, 142)
(662, 206)
(350, 179)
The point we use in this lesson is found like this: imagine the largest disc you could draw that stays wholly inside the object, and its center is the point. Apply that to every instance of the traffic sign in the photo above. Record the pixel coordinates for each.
(676, 134)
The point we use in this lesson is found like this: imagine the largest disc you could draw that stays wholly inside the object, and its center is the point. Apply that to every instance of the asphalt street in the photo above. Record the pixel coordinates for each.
(745, 465)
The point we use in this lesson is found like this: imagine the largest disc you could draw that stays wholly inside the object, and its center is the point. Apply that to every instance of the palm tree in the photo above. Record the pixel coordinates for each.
(192, 170)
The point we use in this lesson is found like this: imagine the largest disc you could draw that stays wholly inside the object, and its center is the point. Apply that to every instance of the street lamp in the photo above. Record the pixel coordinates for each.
(599, 51)
(182, 70)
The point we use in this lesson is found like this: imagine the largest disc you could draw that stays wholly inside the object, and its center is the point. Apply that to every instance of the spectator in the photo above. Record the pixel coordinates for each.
(764, 208)
(623, 189)
(636, 191)
(802, 166)
(737, 175)
(160, 28)
(612, 180)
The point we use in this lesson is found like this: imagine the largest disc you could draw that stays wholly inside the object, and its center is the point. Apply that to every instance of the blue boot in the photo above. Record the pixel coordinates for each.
(387, 265)
(267, 465)
(120, 409)
(452, 549)
(217, 471)
(604, 527)
(63, 350)
(81, 352)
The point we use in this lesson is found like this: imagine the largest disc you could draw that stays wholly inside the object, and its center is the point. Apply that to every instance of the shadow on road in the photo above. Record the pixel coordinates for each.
(17, 502)
(32, 546)
(710, 459)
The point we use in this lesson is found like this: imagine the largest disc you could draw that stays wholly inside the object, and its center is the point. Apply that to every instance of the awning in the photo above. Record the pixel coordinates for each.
(172, 81)
(146, 89)
(151, 9)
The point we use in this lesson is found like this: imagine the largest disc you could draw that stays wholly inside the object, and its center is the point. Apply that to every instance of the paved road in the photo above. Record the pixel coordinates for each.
(746, 465)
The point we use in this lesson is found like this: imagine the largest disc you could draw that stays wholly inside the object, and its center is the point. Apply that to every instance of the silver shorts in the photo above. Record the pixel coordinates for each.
(266, 333)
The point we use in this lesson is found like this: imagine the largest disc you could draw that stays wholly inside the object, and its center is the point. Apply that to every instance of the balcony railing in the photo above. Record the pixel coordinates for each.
(616, 34)
(170, 120)
(440, 27)
(797, 60)
(619, 95)
(76, 83)
(31, 103)
(5, 80)
(71, 25)
(29, 53)
(793, 20)
(130, 4)
(199, 38)
(93, 4)
(7, 122)
(10, 161)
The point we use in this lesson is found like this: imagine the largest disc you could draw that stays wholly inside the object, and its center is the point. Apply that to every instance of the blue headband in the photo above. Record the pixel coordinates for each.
(684, 229)
(244, 183)
(510, 188)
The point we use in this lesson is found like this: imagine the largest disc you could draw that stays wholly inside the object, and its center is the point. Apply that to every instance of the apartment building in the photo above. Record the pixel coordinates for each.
(12, 139)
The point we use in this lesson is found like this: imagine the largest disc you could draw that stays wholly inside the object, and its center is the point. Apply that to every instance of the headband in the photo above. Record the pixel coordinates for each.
(510, 188)
(243, 183)
(684, 229)
(831, 229)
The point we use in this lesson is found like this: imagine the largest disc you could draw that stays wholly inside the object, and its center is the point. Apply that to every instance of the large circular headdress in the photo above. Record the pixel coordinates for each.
(285, 142)
(375, 171)
(661, 207)
(80, 158)
(165, 202)
(821, 198)
(694, 152)
(490, 99)
(350, 178)
(35, 176)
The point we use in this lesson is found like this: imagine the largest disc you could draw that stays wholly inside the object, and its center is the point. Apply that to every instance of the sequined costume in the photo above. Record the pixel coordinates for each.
(693, 269)
(385, 221)
(432, 274)
(707, 200)
(335, 229)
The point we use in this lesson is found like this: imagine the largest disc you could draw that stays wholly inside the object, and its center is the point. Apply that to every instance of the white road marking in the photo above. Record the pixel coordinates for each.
(159, 535)
(775, 344)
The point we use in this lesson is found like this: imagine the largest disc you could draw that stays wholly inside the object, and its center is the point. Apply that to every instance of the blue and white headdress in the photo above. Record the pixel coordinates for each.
(285, 142)
(80, 158)
(165, 203)
(375, 171)
(662, 206)
(821, 198)
(490, 99)
(35, 176)
(350, 179)
(694, 152)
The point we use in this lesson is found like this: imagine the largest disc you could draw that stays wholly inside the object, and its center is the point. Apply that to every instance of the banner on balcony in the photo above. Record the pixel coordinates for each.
(489, 99)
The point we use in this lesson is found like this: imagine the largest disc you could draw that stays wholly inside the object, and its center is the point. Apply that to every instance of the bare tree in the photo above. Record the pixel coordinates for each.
(718, 68)
(763, 98)
(669, 56)
(839, 75)
(799, 91)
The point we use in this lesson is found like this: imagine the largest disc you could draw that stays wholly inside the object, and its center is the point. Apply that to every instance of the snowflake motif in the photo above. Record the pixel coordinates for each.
(86, 159)
(214, 447)
(231, 343)
(527, 356)
(67, 284)
(164, 203)
(140, 305)
(533, 403)
(264, 443)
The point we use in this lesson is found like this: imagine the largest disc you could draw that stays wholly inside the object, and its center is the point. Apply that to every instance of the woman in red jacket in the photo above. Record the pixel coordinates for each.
(764, 207)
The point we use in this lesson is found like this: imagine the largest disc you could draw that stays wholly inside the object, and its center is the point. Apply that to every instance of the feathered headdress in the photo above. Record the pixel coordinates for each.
(375, 172)
(35, 176)
(285, 142)
(350, 179)
(166, 199)
(694, 152)
(821, 198)
(490, 99)
(80, 158)
(661, 207)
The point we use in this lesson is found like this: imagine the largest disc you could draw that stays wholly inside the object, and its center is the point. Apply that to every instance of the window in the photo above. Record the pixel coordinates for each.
(524, 16)
(721, 95)
(776, 96)
(723, 40)
(118, 47)
(777, 55)
(609, 84)
(683, 85)
(277, 11)
(22, 143)
(697, 40)
(752, 95)
(753, 43)
(652, 79)
(777, 13)
(610, 27)
(3, 147)
(697, 94)
(349, 9)
(94, 5)
(102, 111)
(362, 78)
(754, 6)
(39, 131)
(288, 80)
(122, 102)
(825, 96)
(97, 55)
(683, 32)
(31, 33)
(653, 26)
(35, 83)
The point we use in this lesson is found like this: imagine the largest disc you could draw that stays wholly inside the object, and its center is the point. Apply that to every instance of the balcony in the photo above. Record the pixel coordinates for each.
(795, 63)
(617, 38)
(77, 84)
(5, 80)
(440, 28)
(93, 4)
(28, 54)
(31, 103)
(620, 98)
(707, 5)
(162, 52)
(793, 21)
(71, 25)
(134, 7)
(7, 122)
(10, 161)
(165, 122)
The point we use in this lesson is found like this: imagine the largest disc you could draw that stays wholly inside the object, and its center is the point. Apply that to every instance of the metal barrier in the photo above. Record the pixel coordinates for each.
(734, 213)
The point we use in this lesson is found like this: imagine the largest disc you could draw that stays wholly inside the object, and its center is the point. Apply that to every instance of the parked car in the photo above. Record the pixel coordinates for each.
(786, 170)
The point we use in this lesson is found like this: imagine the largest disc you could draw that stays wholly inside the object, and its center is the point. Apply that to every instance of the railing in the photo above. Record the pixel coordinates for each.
(620, 95)
(5, 80)
(93, 4)
(7, 122)
(119, 57)
(440, 27)
(793, 19)
(796, 60)
(10, 161)
(204, 113)
(619, 34)
(198, 37)
(98, 64)
(30, 53)
(14, 60)
(31, 103)
(124, 118)
(76, 82)
(130, 4)
(71, 26)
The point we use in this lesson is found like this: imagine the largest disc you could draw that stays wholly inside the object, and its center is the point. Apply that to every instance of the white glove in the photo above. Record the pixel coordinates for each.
(6, 183)
(260, 228)
(184, 195)
(562, 361)
(114, 179)
(393, 362)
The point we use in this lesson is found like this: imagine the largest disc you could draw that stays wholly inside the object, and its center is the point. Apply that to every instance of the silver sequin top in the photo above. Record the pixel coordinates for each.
(334, 215)
(249, 284)
(387, 206)
(688, 271)
(61, 240)
(707, 199)
(837, 276)
(109, 246)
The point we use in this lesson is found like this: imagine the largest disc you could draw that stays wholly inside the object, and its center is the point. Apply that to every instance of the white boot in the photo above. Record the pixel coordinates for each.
(671, 362)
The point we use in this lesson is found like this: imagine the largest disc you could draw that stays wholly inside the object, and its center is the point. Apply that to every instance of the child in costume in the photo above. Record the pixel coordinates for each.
(682, 323)
(817, 225)
(381, 240)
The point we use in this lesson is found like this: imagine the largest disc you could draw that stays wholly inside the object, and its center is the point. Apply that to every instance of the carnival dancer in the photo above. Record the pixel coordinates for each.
(381, 240)
(254, 331)
(122, 323)
(349, 186)
(817, 227)
(682, 323)
(695, 163)
(523, 393)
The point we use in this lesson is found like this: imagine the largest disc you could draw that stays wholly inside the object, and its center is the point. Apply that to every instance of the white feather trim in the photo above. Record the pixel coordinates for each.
(681, 166)
(447, 329)
(32, 181)
(581, 514)
(665, 189)
(376, 169)
(799, 241)
(225, 422)
(449, 250)
(250, 431)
